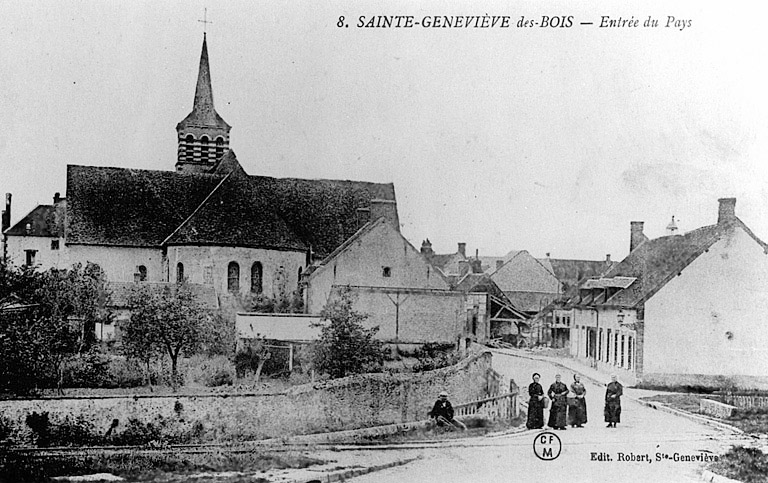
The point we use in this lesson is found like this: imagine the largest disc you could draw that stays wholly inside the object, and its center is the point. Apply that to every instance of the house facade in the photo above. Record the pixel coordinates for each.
(683, 309)
(404, 295)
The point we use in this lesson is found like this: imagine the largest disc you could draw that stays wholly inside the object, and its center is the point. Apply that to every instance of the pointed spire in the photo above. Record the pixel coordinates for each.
(204, 93)
(203, 111)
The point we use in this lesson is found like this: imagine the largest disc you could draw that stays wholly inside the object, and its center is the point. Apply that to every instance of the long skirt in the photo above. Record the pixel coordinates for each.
(577, 411)
(557, 415)
(535, 414)
(613, 412)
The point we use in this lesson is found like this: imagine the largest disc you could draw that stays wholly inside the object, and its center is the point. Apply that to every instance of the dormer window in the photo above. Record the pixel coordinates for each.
(54, 244)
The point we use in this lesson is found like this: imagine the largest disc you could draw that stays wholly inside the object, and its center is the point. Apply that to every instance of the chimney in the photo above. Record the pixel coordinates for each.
(363, 217)
(499, 263)
(608, 258)
(6, 220)
(463, 249)
(463, 267)
(385, 209)
(636, 235)
(727, 211)
(476, 265)
(547, 254)
(56, 197)
(426, 248)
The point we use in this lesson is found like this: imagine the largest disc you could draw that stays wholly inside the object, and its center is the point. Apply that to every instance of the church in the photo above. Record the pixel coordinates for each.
(207, 221)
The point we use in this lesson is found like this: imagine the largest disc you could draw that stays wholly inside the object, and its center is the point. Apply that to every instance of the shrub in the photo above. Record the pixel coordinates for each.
(138, 433)
(88, 370)
(40, 426)
(74, 431)
(345, 345)
(211, 372)
(131, 372)
(6, 428)
(434, 356)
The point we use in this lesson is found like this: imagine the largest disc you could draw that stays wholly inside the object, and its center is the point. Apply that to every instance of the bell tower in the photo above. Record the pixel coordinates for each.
(203, 136)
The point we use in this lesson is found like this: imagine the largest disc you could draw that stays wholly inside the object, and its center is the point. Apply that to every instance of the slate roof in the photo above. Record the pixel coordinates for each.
(573, 272)
(146, 208)
(203, 113)
(44, 221)
(120, 292)
(655, 262)
(130, 207)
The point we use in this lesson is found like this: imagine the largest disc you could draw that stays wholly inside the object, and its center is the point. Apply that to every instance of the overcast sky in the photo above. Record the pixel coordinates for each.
(549, 140)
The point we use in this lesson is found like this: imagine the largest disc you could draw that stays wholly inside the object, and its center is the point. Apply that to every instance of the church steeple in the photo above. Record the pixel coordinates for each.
(203, 135)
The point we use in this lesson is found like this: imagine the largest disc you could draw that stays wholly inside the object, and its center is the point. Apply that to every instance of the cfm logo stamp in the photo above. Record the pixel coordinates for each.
(547, 446)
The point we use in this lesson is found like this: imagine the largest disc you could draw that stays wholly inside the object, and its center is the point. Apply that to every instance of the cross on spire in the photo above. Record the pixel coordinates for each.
(205, 21)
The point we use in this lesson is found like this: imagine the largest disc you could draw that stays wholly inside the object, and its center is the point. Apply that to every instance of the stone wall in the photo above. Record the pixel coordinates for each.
(716, 409)
(348, 403)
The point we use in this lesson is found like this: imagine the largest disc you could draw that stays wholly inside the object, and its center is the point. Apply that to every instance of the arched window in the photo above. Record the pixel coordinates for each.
(219, 147)
(256, 277)
(189, 149)
(233, 277)
(204, 148)
(298, 279)
(141, 274)
(179, 272)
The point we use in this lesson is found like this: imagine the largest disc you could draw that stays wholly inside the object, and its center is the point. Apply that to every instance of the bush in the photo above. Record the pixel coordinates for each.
(749, 465)
(131, 373)
(88, 370)
(435, 356)
(74, 431)
(138, 433)
(211, 372)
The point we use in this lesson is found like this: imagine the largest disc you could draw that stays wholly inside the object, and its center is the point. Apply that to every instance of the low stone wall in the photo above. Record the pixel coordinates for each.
(349, 403)
(716, 409)
(703, 381)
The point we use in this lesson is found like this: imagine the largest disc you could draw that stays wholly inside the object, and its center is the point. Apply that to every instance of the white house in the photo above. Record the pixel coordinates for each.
(683, 309)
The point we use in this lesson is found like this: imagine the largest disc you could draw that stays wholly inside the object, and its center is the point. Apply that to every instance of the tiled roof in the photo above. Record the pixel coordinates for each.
(42, 222)
(573, 272)
(239, 212)
(128, 207)
(323, 212)
(120, 292)
(654, 262)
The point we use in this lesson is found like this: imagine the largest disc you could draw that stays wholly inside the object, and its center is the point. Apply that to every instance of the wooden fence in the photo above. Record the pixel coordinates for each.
(745, 400)
(502, 406)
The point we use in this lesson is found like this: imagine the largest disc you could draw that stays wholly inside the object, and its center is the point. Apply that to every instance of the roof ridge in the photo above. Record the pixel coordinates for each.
(199, 207)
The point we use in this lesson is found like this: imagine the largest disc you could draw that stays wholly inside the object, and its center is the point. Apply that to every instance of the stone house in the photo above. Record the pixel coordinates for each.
(404, 295)
(682, 309)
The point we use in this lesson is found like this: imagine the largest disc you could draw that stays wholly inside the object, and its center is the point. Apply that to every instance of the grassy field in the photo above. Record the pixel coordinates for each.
(748, 420)
(748, 465)
(147, 466)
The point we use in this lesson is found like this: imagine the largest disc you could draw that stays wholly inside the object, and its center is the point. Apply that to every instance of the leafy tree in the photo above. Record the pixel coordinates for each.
(169, 321)
(55, 320)
(345, 346)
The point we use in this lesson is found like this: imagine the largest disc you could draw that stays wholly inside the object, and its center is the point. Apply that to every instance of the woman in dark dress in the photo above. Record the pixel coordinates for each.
(558, 393)
(577, 410)
(535, 404)
(613, 402)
